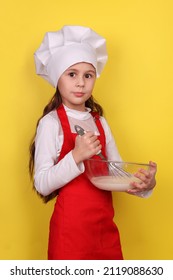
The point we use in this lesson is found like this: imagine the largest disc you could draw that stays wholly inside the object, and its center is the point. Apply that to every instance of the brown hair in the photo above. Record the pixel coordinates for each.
(53, 104)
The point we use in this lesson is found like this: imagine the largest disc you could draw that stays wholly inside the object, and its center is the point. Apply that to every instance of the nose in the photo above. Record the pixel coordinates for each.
(80, 81)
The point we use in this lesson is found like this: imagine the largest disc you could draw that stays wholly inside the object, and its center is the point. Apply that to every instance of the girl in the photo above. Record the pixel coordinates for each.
(81, 225)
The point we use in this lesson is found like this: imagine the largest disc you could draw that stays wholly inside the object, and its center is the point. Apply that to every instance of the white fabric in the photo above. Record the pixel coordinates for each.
(50, 176)
(66, 47)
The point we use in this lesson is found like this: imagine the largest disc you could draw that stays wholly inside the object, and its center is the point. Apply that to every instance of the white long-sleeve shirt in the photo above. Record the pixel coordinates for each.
(50, 175)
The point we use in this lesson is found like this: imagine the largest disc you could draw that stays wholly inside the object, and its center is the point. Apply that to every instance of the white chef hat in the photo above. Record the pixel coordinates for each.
(70, 45)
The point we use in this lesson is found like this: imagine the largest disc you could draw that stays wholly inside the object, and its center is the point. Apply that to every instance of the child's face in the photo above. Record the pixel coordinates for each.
(76, 85)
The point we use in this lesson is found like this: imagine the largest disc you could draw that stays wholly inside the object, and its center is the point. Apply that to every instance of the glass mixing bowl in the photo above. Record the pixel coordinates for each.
(113, 175)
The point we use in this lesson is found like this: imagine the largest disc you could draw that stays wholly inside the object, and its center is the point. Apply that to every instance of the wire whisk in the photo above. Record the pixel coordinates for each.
(114, 169)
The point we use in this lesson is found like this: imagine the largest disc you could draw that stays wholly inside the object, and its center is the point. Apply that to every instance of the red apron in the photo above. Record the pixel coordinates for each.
(81, 226)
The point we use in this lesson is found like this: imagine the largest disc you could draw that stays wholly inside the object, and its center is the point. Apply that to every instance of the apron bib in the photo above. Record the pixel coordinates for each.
(81, 226)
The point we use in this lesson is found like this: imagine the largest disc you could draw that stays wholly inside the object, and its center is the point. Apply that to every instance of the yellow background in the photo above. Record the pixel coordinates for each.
(136, 91)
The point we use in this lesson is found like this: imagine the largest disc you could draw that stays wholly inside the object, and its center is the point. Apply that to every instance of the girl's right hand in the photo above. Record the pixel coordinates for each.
(86, 146)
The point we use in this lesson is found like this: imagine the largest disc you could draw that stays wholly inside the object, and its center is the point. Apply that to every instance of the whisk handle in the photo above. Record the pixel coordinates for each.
(79, 130)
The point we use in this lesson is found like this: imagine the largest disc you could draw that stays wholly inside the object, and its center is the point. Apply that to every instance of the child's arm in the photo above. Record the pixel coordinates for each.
(48, 174)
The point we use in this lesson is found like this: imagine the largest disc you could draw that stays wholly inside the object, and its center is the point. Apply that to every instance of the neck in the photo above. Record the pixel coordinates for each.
(76, 107)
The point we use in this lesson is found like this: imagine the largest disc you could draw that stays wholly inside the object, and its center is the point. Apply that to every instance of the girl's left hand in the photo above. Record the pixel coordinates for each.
(147, 178)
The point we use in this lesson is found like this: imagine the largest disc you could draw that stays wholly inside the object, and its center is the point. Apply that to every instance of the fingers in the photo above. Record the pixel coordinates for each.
(86, 146)
(153, 164)
(91, 140)
(138, 187)
(152, 167)
(146, 178)
(143, 175)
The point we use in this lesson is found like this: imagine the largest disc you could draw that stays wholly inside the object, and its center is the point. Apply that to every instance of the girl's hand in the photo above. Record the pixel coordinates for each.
(85, 147)
(147, 178)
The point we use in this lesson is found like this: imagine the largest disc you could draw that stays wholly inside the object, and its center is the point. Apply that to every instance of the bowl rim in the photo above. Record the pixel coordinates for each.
(118, 162)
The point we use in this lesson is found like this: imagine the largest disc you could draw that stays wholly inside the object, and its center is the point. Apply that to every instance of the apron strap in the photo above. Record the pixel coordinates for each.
(102, 137)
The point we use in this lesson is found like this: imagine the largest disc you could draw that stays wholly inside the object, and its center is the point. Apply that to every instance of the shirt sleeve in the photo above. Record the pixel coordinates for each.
(49, 175)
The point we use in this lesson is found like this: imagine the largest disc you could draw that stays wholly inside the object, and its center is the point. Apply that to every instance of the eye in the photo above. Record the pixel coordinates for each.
(88, 76)
(72, 74)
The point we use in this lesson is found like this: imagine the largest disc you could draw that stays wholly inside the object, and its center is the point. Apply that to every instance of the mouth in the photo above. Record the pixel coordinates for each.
(78, 94)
